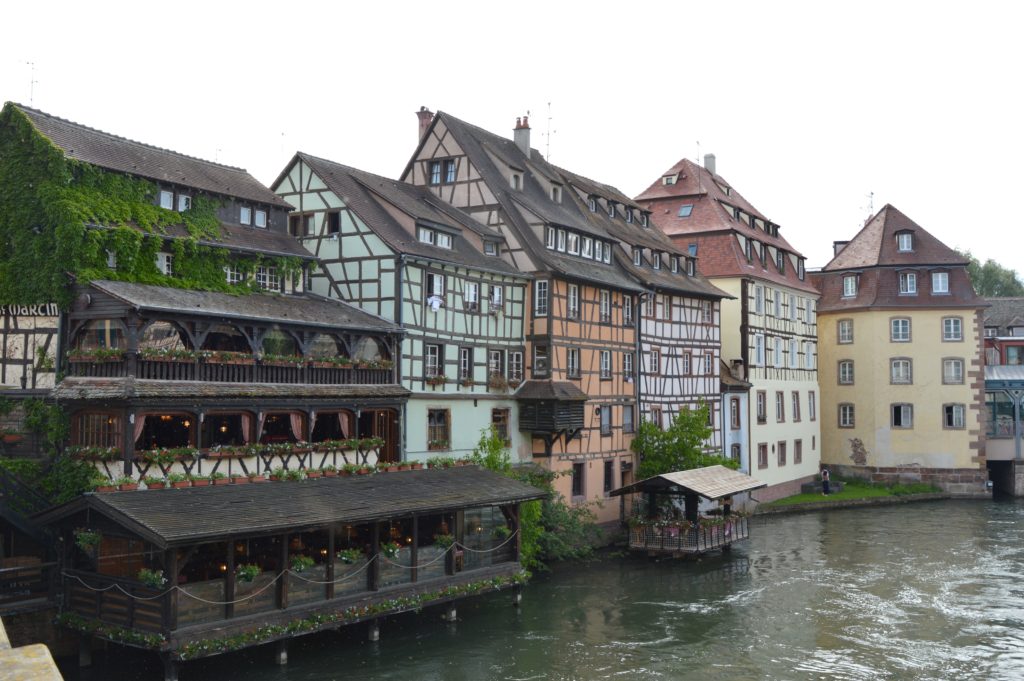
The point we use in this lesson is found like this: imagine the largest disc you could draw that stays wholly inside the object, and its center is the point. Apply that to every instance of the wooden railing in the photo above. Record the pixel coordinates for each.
(32, 581)
(232, 372)
(116, 601)
(678, 539)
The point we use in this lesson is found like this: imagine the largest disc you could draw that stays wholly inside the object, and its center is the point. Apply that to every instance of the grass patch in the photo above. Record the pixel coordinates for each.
(858, 489)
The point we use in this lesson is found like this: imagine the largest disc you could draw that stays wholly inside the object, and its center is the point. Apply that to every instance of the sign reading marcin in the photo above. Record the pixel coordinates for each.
(44, 310)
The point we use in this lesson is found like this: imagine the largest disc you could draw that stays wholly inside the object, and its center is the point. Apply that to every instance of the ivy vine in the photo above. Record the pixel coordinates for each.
(60, 217)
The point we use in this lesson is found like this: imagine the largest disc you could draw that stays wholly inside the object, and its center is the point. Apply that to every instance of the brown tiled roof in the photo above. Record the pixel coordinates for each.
(550, 390)
(76, 388)
(366, 194)
(878, 287)
(108, 151)
(248, 510)
(1004, 313)
(303, 309)
(719, 255)
(875, 244)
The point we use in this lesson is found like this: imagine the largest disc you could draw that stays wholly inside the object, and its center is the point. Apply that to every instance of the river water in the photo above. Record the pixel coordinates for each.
(931, 590)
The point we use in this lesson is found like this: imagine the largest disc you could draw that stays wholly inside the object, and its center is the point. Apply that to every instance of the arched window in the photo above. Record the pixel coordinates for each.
(161, 336)
(278, 342)
(227, 338)
(369, 349)
(324, 345)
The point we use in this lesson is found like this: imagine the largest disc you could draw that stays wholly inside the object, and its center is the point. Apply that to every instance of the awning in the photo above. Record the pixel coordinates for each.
(710, 482)
(1004, 377)
(198, 514)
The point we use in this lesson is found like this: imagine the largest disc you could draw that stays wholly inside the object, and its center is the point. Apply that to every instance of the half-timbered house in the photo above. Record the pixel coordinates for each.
(577, 238)
(771, 329)
(397, 250)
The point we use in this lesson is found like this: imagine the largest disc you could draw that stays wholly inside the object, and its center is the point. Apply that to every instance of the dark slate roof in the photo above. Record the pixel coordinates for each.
(710, 482)
(303, 309)
(875, 244)
(533, 204)
(247, 510)
(74, 388)
(368, 194)
(550, 390)
(242, 239)
(1004, 313)
(102, 149)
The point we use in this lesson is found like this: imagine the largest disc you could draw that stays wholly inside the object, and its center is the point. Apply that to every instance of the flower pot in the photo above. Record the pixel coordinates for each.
(276, 478)
(105, 488)
(128, 487)
(330, 474)
(200, 483)
(240, 479)
(257, 478)
(181, 484)
(416, 465)
(314, 474)
(222, 481)
(13, 438)
(430, 464)
(390, 469)
(363, 471)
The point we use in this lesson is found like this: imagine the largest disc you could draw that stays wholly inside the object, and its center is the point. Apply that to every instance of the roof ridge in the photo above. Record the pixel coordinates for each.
(124, 139)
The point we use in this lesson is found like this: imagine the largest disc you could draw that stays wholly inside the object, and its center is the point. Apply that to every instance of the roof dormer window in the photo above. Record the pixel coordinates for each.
(611, 209)
(259, 218)
(675, 264)
(643, 219)
(905, 242)
(593, 204)
(588, 247)
(556, 194)
(608, 253)
(849, 286)
(780, 261)
(517, 181)
(656, 260)
(691, 266)
(638, 257)
(490, 248)
(245, 215)
(669, 179)
(801, 271)
(629, 216)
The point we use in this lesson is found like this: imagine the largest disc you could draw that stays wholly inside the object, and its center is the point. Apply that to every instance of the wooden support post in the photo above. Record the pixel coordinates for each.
(171, 599)
(84, 650)
(517, 595)
(229, 580)
(331, 562)
(449, 612)
(282, 584)
(170, 668)
(373, 574)
(374, 631)
(413, 553)
(281, 652)
(517, 545)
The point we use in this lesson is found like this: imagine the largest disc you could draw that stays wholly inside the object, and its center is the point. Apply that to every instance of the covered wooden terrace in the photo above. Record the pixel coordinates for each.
(207, 570)
(657, 527)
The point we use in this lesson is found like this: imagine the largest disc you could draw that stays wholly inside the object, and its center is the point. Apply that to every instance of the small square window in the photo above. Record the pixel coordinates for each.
(261, 218)
(184, 202)
(902, 416)
(952, 329)
(904, 242)
(940, 282)
(908, 283)
(444, 240)
(850, 286)
(900, 330)
(245, 215)
(685, 210)
(490, 248)
(166, 199)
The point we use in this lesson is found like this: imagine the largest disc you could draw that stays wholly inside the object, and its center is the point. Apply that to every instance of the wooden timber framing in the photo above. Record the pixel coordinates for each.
(577, 238)
(462, 309)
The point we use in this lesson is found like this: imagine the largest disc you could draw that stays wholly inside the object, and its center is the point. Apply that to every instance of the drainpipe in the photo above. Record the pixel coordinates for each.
(638, 359)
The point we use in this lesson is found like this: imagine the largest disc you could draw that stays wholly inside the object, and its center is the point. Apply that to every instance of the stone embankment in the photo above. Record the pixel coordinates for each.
(827, 505)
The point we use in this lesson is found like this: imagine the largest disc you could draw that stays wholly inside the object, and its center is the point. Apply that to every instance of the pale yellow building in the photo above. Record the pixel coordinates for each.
(900, 359)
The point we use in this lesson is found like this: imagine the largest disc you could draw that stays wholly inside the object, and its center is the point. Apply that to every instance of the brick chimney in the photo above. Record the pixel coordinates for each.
(521, 135)
(426, 116)
(709, 163)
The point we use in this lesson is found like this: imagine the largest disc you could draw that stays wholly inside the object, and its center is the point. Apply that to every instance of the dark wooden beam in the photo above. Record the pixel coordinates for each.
(229, 580)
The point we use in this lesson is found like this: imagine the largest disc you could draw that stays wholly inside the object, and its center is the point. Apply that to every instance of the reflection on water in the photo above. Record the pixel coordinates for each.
(923, 591)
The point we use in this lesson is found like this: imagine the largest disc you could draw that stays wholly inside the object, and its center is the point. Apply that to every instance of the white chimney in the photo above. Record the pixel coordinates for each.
(521, 135)
(709, 163)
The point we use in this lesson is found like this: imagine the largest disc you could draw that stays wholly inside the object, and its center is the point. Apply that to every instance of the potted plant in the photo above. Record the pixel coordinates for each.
(257, 477)
(155, 482)
(330, 471)
(126, 484)
(199, 480)
(88, 540)
(388, 466)
(154, 579)
(404, 465)
(103, 484)
(218, 478)
(444, 540)
(300, 563)
(179, 480)
(436, 380)
(293, 476)
(11, 436)
(247, 572)
(390, 549)
(467, 382)
(313, 473)
(240, 478)
(497, 381)
(365, 469)
(349, 556)
(277, 474)
(514, 383)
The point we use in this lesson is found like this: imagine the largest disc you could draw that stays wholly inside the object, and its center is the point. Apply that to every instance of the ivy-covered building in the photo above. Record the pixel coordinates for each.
(399, 251)
(184, 320)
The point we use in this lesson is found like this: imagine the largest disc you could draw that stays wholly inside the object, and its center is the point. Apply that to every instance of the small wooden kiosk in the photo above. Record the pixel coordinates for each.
(655, 533)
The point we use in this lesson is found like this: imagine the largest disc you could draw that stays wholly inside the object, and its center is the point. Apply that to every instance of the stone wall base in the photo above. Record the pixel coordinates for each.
(969, 482)
(781, 490)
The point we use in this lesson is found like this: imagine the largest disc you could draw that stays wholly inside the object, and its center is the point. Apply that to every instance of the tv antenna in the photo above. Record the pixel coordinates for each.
(32, 83)
(547, 136)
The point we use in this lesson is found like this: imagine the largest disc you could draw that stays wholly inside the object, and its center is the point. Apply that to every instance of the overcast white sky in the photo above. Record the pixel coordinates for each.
(809, 107)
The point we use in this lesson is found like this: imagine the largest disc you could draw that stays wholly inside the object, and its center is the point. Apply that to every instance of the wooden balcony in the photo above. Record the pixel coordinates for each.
(209, 370)
(686, 538)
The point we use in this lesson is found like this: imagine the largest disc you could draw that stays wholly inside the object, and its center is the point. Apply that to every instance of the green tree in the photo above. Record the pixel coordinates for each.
(679, 447)
(550, 529)
(991, 279)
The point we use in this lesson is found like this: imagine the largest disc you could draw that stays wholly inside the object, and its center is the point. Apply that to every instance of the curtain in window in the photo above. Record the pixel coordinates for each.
(140, 425)
(343, 423)
(247, 427)
(295, 420)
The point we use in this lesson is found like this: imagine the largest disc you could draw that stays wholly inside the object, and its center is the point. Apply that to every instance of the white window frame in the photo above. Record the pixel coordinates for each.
(260, 218)
(166, 199)
(245, 215)
(940, 282)
(899, 330)
(901, 371)
(844, 331)
(444, 240)
(184, 203)
(606, 364)
(233, 275)
(432, 360)
(905, 242)
(550, 236)
(606, 307)
(952, 329)
(627, 364)
(952, 371)
(846, 372)
(561, 241)
(574, 243)
(706, 312)
(850, 286)
(954, 416)
(627, 310)
(497, 295)
(587, 250)
(759, 349)
(540, 298)
(906, 415)
(573, 307)
(777, 352)
(847, 415)
(908, 283)
(607, 252)
(572, 362)
(758, 299)
(165, 263)
(794, 359)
